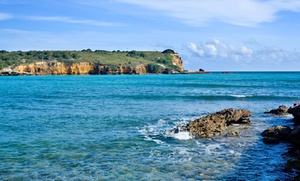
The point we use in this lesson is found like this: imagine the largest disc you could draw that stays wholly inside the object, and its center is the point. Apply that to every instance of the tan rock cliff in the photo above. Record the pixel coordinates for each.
(58, 68)
(177, 61)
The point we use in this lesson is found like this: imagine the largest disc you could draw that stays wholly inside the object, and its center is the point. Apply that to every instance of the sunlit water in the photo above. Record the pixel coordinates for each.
(116, 127)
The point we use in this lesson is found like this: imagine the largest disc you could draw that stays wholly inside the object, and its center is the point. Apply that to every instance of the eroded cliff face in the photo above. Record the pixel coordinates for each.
(58, 68)
(177, 61)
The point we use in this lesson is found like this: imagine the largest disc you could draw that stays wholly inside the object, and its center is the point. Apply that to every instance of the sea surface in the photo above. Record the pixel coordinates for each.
(115, 127)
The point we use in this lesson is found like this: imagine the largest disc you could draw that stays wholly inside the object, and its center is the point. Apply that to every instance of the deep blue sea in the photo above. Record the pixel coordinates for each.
(115, 127)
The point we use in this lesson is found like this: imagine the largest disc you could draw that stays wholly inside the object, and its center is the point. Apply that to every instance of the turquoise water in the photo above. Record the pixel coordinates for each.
(115, 127)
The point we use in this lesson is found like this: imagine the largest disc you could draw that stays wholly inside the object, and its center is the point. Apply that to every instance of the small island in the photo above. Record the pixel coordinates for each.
(91, 62)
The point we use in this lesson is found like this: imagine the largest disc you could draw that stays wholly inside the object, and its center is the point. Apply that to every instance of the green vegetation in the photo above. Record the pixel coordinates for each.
(153, 59)
(154, 68)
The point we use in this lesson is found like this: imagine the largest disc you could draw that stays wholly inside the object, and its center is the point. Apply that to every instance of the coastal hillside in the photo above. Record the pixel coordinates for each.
(89, 62)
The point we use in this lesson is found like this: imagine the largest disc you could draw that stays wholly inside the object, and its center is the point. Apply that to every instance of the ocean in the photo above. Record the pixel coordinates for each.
(115, 127)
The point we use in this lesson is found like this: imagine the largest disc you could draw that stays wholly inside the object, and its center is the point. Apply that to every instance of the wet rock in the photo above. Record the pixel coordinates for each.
(276, 134)
(215, 124)
(233, 133)
(295, 111)
(280, 132)
(281, 110)
(271, 140)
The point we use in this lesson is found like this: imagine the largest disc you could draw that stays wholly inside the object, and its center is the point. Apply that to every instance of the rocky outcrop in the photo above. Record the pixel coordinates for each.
(177, 61)
(276, 134)
(215, 124)
(295, 111)
(280, 111)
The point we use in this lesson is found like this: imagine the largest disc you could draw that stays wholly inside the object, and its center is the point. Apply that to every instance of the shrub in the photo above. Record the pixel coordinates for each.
(154, 68)
(168, 51)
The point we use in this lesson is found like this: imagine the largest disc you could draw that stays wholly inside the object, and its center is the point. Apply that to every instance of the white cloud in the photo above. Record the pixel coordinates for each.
(201, 12)
(217, 50)
(70, 20)
(4, 16)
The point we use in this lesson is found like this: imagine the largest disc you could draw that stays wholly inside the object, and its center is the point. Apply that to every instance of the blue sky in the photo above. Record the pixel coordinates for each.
(216, 35)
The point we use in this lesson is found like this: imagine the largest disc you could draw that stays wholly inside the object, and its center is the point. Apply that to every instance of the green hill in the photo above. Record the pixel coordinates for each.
(152, 59)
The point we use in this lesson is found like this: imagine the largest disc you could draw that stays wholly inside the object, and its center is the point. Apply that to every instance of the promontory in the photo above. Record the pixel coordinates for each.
(89, 62)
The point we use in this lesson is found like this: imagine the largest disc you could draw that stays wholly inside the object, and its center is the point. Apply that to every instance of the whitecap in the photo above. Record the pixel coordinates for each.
(147, 138)
(180, 135)
(239, 95)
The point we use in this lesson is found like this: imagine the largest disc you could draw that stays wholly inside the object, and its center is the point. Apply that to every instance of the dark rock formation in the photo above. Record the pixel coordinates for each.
(281, 110)
(294, 136)
(295, 111)
(276, 133)
(216, 123)
(284, 133)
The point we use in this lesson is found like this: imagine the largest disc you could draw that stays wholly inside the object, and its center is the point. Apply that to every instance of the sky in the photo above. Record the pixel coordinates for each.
(215, 35)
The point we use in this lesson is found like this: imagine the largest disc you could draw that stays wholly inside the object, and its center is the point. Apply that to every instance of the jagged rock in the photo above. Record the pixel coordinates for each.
(295, 111)
(277, 131)
(215, 124)
(275, 134)
(281, 110)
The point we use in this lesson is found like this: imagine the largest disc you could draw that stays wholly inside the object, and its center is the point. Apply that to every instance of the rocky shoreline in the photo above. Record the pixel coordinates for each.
(287, 135)
(223, 123)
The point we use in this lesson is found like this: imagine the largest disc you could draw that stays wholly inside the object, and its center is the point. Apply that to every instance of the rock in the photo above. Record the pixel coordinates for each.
(215, 124)
(233, 133)
(280, 132)
(177, 61)
(276, 134)
(281, 110)
(201, 70)
(271, 140)
(294, 136)
(295, 111)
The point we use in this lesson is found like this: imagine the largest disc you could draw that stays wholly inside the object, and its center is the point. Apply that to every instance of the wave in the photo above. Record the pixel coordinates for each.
(209, 97)
(160, 131)
(240, 96)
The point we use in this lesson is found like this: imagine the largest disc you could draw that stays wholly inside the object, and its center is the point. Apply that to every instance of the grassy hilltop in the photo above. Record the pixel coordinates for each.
(152, 59)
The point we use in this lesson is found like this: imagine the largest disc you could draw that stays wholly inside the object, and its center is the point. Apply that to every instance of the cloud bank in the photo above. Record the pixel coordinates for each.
(247, 53)
(202, 12)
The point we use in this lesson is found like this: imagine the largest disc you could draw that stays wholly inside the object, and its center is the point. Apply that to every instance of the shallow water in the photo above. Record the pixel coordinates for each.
(115, 127)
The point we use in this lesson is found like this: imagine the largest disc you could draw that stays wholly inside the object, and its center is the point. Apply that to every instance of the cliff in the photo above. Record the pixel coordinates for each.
(58, 68)
(127, 63)
(177, 61)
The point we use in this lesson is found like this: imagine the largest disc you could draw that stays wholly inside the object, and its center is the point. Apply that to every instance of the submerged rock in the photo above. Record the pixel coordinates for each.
(215, 124)
(281, 110)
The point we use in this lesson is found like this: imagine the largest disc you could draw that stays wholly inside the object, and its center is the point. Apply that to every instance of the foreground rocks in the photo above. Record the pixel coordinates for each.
(216, 124)
(281, 110)
(276, 134)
